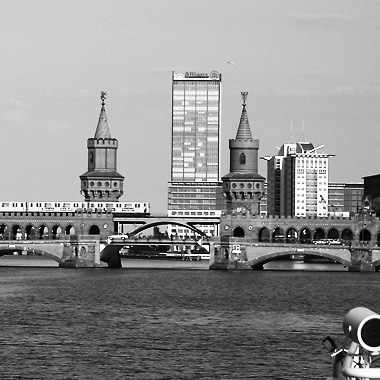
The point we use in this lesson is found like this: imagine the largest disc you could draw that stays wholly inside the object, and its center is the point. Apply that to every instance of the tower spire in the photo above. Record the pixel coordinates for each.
(102, 130)
(244, 131)
(102, 181)
(243, 187)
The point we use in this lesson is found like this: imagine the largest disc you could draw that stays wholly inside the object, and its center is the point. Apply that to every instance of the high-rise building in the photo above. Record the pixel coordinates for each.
(297, 181)
(195, 153)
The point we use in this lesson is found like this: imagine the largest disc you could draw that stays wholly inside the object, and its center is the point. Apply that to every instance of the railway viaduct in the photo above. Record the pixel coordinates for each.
(79, 239)
(264, 238)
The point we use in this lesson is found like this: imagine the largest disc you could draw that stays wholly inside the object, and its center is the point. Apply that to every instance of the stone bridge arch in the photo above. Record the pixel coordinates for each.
(8, 250)
(259, 256)
(278, 235)
(305, 236)
(365, 235)
(333, 233)
(291, 235)
(347, 235)
(319, 234)
(264, 235)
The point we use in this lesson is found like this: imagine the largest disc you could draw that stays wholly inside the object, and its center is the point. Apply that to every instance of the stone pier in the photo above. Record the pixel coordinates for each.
(361, 260)
(82, 252)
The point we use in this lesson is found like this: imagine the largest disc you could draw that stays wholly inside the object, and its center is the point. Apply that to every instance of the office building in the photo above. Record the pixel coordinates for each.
(195, 153)
(345, 199)
(297, 181)
(372, 186)
(372, 193)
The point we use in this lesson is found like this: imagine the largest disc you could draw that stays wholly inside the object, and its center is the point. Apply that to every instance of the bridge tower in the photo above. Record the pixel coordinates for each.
(102, 182)
(243, 187)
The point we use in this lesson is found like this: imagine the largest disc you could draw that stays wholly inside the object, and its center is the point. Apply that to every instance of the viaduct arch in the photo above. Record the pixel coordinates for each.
(308, 235)
(51, 251)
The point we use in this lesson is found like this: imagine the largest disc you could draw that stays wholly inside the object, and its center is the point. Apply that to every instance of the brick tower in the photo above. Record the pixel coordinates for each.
(242, 187)
(102, 182)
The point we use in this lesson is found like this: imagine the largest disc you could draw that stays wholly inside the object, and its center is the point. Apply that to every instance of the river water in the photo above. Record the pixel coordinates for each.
(174, 322)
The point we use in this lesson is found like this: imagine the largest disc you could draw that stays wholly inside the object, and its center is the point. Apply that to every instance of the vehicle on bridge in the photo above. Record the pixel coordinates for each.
(125, 208)
(327, 242)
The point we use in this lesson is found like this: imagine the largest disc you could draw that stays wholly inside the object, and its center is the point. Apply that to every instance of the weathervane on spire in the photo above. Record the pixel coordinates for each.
(244, 96)
(103, 96)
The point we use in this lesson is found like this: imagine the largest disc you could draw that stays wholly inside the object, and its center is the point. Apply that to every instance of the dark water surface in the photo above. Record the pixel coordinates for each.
(173, 323)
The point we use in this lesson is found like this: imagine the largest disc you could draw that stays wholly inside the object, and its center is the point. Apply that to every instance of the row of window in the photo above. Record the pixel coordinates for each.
(99, 183)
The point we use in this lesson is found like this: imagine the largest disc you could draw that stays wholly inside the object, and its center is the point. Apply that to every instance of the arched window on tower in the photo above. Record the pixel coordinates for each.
(242, 159)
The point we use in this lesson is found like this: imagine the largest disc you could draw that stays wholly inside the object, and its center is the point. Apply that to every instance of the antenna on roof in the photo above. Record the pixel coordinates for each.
(315, 149)
(291, 133)
(303, 131)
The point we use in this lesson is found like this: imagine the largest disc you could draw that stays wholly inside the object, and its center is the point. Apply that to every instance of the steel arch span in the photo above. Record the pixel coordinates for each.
(167, 222)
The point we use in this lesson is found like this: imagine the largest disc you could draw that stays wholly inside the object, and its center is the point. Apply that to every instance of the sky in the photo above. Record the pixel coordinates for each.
(311, 70)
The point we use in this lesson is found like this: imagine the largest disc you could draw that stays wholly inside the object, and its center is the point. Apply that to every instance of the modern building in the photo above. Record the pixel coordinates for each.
(372, 192)
(297, 181)
(102, 181)
(243, 187)
(264, 201)
(372, 186)
(195, 153)
(345, 199)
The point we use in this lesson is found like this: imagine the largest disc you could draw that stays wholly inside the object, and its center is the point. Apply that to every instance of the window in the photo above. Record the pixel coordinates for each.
(242, 159)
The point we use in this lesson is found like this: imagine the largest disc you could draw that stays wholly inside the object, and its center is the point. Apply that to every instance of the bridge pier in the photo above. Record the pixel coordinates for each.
(82, 252)
(361, 260)
(224, 257)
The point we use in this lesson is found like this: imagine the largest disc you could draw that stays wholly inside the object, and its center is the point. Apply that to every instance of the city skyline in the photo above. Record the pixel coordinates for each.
(310, 68)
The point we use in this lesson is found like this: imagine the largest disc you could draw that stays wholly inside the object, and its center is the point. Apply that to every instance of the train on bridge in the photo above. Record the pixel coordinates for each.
(125, 208)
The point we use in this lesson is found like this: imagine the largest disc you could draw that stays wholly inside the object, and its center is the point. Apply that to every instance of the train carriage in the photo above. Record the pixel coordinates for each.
(128, 208)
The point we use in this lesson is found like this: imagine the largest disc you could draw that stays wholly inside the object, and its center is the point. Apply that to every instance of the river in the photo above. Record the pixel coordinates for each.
(144, 322)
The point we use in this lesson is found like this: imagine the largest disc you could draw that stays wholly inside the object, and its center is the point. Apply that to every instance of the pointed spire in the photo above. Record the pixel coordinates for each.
(102, 130)
(244, 131)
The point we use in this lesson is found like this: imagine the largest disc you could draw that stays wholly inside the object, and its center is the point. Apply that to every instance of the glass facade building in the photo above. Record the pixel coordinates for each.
(195, 152)
(345, 199)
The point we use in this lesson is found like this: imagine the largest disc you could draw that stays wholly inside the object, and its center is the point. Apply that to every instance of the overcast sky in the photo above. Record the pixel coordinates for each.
(312, 63)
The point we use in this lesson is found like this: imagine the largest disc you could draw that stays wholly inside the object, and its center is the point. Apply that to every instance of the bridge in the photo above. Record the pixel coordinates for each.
(253, 253)
(78, 239)
(247, 254)
(74, 251)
